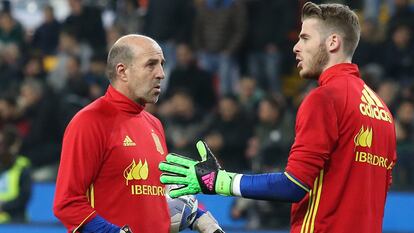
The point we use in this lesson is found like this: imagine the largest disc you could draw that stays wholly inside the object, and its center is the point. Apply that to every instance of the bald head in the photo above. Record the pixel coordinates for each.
(125, 49)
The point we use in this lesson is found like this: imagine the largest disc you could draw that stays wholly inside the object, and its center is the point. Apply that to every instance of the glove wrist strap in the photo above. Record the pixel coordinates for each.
(224, 183)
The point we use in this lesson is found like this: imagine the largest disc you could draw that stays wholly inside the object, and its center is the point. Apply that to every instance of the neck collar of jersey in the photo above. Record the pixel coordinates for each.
(122, 102)
(343, 69)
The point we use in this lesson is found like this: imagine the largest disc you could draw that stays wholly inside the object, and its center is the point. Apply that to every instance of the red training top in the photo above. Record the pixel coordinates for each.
(344, 151)
(109, 166)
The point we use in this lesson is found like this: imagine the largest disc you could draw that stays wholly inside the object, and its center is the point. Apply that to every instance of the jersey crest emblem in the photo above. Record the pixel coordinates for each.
(157, 143)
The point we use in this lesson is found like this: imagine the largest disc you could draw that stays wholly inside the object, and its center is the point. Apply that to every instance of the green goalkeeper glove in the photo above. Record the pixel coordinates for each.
(205, 176)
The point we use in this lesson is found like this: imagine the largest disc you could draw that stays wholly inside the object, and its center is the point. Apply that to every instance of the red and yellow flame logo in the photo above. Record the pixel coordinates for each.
(364, 137)
(136, 171)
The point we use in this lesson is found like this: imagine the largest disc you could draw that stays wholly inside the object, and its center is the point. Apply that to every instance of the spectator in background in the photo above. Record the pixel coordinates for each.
(8, 109)
(68, 46)
(407, 92)
(34, 69)
(249, 96)
(75, 80)
(187, 75)
(399, 55)
(86, 23)
(367, 51)
(265, 41)
(11, 31)
(388, 91)
(169, 23)
(112, 34)
(404, 127)
(95, 77)
(405, 117)
(227, 134)
(10, 68)
(404, 15)
(183, 122)
(46, 36)
(76, 93)
(10, 115)
(220, 27)
(372, 8)
(38, 107)
(15, 178)
(272, 137)
(129, 17)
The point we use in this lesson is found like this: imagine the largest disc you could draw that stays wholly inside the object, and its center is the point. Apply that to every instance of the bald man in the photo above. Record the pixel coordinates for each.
(108, 175)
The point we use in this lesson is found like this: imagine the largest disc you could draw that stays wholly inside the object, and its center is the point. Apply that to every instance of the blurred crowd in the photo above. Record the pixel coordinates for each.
(230, 80)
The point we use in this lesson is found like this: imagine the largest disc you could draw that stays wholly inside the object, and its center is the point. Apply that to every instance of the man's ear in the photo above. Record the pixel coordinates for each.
(121, 70)
(333, 42)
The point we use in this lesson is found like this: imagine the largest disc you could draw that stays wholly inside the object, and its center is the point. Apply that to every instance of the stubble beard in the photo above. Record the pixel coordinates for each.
(152, 98)
(156, 99)
(317, 63)
(148, 100)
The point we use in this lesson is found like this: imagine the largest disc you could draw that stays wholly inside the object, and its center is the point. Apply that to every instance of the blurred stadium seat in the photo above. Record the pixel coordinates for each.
(40, 206)
(31, 228)
(398, 216)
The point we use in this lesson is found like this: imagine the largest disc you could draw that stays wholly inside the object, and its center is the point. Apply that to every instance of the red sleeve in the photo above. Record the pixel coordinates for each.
(316, 137)
(82, 154)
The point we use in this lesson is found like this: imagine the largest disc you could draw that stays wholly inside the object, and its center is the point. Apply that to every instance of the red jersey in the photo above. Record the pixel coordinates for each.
(109, 166)
(344, 151)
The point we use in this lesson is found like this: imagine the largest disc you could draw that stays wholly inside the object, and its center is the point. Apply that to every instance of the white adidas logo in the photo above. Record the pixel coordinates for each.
(128, 141)
(372, 106)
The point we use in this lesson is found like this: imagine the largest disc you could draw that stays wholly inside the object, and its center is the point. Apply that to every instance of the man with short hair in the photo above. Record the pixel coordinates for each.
(108, 174)
(339, 168)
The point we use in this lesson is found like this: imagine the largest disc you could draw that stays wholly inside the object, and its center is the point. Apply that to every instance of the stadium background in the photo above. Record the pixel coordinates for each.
(49, 69)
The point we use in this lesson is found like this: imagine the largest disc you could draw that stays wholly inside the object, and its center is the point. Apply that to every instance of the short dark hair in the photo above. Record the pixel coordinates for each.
(10, 134)
(118, 54)
(338, 18)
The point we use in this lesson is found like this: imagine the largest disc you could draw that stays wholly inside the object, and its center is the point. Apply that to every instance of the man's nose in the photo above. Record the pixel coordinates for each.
(160, 72)
(296, 48)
